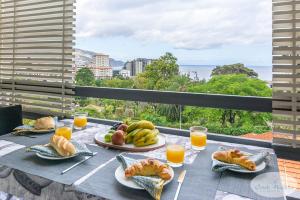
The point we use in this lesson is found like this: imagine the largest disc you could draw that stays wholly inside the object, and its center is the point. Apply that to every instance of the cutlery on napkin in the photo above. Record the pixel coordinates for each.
(180, 181)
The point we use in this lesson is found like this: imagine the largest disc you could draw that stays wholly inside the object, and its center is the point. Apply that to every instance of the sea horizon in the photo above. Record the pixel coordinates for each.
(204, 71)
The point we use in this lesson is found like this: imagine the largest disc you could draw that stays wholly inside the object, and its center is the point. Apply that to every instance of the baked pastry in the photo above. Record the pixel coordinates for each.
(44, 123)
(63, 146)
(234, 156)
(149, 167)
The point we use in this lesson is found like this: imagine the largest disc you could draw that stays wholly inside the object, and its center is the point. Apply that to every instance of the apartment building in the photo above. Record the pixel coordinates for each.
(101, 67)
(137, 66)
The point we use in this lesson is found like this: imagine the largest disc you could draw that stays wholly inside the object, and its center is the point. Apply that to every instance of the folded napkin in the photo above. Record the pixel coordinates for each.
(47, 150)
(258, 158)
(151, 184)
(25, 129)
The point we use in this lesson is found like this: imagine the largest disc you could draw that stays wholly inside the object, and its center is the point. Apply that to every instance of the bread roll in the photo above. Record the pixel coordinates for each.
(44, 123)
(63, 146)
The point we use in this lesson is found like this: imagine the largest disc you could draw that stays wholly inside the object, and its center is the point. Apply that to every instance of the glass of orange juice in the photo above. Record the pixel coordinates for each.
(175, 151)
(64, 129)
(80, 120)
(198, 137)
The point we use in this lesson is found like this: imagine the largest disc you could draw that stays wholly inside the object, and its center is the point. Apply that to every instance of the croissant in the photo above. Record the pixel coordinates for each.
(234, 156)
(63, 146)
(149, 167)
(44, 123)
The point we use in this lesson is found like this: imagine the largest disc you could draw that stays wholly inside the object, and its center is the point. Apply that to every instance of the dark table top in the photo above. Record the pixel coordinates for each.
(96, 176)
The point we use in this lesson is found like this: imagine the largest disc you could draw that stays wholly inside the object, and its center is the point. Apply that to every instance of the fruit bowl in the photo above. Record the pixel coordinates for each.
(99, 139)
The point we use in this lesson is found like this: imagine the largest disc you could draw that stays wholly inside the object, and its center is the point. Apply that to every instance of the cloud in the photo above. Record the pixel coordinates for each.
(189, 24)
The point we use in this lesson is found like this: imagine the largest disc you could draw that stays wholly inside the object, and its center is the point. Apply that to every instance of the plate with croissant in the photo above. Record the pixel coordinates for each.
(147, 169)
(240, 161)
(41, 125)
(59, 148)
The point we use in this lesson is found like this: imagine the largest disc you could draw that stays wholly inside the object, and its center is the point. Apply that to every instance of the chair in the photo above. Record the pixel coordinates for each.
(10, 118)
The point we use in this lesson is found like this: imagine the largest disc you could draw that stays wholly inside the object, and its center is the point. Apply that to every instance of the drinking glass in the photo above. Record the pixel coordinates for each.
(198, 137)
(174, 151)
(80, 120)
(64, 129)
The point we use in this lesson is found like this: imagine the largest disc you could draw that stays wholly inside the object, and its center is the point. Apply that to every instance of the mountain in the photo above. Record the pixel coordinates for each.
(84, 57)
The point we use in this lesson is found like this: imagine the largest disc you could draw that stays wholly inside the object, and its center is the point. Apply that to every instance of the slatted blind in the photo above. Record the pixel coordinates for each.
(36, 54)
(286, 72)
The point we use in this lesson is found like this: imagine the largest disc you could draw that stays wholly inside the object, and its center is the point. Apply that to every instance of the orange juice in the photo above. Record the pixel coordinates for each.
(64, 131)
(175, 153)
(80, 122)
(198, 139)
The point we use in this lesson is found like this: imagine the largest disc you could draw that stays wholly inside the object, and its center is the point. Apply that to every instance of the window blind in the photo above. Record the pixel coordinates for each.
(286, 72)
(36, 55)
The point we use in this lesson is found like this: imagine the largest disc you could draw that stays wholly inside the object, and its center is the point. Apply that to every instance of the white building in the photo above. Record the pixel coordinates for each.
(124, 73)
(103, 72)
(101, 60)
(101, 67)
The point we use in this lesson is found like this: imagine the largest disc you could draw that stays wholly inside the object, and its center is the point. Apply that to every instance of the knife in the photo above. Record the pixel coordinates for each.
(180, 181)
(76, 164)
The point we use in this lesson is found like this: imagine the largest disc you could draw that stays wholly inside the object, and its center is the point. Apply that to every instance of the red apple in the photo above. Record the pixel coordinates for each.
(123, 127)
(118, 137)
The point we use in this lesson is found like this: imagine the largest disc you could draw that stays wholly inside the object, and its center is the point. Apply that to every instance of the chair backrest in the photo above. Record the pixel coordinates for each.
(10, 118)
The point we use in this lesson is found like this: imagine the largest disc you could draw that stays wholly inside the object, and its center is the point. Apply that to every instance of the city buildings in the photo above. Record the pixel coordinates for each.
(137, 66)
(101, 67)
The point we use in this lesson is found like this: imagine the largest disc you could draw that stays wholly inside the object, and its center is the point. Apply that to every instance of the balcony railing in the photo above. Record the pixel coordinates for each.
(247, 103)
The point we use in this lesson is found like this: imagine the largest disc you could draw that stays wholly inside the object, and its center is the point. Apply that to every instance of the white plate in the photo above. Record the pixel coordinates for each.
(42, 131)
(99, 139)
(120, 176)
(259, 167)
(53, 158)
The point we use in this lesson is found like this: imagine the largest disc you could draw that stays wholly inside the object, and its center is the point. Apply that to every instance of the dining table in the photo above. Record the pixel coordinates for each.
(23, 175)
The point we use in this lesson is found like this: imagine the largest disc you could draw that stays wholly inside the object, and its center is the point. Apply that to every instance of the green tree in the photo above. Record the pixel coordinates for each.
(85, 77)
(233, 84)
(238, 68)
(117, 83)
(160, 71)
(178, 83)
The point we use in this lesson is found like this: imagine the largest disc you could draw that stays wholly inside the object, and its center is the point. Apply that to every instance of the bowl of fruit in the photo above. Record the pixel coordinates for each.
(136, 136)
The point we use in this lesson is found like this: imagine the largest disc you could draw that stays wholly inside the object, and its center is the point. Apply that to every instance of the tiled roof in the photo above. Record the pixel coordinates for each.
(287, 168)
(263, 136)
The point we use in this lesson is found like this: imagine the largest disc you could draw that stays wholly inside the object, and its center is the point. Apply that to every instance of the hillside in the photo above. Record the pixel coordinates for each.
(84, 57)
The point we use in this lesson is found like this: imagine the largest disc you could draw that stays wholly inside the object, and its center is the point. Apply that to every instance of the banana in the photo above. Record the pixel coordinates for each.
(149, 136)
(132, 127)
(140, 134)
(141, 140)
(140, 124)
(149, 142)
(153, 134)
(146, 124)
(130, 135)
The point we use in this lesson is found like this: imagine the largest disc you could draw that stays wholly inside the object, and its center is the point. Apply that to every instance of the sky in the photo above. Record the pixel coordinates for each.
(197, 32)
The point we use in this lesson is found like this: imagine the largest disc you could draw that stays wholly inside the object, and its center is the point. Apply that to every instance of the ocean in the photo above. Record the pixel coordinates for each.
(204, 71)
